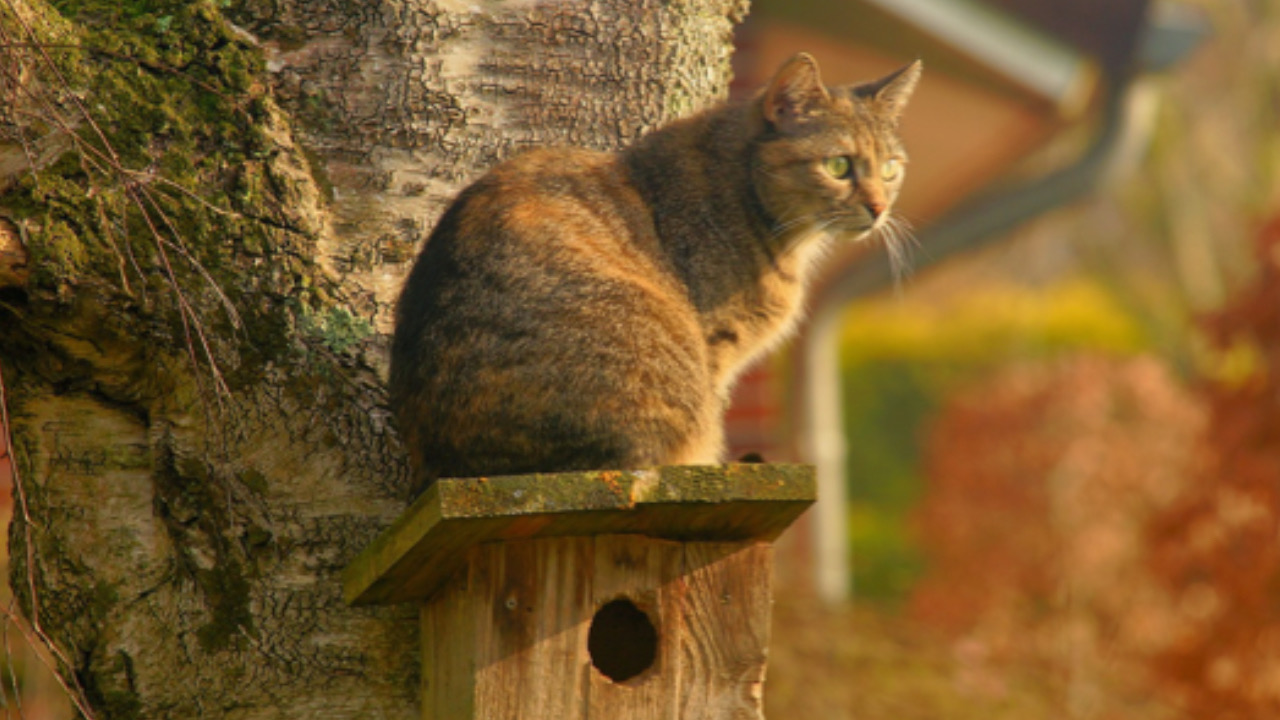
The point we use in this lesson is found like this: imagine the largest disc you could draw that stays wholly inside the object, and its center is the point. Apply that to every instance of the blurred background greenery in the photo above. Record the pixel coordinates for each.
(901, 358)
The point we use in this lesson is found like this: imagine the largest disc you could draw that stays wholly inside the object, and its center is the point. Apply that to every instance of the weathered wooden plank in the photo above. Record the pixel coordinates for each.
(532, 639)
(725, 638)
(507, 638)
(713, 503)
(448, 632)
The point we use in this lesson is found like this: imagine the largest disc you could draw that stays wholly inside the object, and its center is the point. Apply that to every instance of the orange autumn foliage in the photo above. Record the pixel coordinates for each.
(1041, 482)
(1097, 519)
(1217, 550)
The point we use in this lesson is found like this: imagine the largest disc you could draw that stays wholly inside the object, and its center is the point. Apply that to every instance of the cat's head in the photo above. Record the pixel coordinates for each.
(830, 158)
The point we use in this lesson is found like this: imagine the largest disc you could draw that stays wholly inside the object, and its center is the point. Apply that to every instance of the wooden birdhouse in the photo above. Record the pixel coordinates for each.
(637, 595)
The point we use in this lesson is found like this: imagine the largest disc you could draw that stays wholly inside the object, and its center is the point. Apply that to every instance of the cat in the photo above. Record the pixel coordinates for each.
(578, 310)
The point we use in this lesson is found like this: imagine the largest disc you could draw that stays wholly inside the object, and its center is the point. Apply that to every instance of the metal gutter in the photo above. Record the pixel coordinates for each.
(1035, 60)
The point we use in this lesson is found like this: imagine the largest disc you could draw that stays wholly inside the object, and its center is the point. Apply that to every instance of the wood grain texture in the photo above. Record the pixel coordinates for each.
(448, 660)
(507, 637)
(710, 503)
(725, 638)
(530, 636)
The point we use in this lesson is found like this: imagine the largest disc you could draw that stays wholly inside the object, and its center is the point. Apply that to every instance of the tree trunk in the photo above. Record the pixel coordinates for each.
(205, 217)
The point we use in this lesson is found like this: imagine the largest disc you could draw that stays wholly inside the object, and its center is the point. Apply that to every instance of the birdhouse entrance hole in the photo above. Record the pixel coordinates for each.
(622, 641)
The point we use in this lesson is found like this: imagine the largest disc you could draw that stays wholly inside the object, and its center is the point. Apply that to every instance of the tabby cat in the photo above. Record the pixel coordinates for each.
(580, 310)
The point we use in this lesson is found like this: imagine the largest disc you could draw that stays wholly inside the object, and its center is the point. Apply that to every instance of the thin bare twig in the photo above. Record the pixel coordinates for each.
(193, 326)
(178, 245)
(62, 81)
(105, 224)
(8, 653)
(185, 309)
(36, 639)
(72, 688)
(15, 75)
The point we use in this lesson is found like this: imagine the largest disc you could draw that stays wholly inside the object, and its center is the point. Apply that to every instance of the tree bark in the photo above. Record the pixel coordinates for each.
(205, 217)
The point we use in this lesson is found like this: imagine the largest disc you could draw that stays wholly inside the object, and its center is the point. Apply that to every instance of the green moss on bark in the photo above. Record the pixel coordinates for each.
(226, 590)
(175, 181)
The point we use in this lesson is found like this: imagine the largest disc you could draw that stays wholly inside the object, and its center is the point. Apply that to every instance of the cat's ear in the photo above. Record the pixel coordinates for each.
(795, 92)
(893, 91)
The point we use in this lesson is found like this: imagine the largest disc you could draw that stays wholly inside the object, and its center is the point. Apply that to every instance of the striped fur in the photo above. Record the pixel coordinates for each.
(582, 310)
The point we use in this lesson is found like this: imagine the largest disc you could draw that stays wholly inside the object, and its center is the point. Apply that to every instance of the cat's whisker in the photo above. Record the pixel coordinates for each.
(898, 241)
(908, 220)
(826, 226)
(789, 224)
(906, 231)
(786, 226)
(913, 243)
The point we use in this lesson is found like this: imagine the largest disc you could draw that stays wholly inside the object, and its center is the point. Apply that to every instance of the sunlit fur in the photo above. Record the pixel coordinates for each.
(579, 310)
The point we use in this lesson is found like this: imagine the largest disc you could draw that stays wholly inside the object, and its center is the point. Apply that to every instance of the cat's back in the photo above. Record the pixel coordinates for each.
(560, 187)
(566, 208)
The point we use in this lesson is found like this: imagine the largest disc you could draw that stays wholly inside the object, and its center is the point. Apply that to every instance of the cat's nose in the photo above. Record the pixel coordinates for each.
(875, 207)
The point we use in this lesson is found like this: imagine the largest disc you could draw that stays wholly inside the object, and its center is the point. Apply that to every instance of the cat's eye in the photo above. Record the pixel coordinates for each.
(838, 166)
(890, 169)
